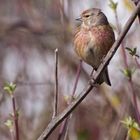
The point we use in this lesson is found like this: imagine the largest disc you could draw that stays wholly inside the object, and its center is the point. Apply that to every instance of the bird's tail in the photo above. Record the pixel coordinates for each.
(104, 77)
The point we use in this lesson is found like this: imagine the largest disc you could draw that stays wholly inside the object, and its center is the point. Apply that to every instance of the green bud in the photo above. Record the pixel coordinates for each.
(10, 88)
(132, 51)
(9, 123)
(113, 5)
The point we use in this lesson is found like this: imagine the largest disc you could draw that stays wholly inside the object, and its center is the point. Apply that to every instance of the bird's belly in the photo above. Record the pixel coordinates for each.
(87, 50)
(92, 56)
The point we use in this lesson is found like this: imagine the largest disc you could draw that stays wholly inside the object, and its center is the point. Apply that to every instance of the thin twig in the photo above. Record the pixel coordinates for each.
(135, 101)
(123, 111)
(127, 67)
(55, 109)
(15, 113)
(63, 129)
(67, 127)
(117, 21)
(77, 78)
(12, 135)
(136, 2)
(137, 63)
(127, 137)
(65, 124)
(122, 44)
(56, 121)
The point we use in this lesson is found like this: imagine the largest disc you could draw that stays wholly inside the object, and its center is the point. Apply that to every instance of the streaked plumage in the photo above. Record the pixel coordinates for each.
(93, 40)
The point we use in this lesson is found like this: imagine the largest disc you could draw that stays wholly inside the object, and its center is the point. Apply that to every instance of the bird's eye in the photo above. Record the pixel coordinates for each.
(87, 16)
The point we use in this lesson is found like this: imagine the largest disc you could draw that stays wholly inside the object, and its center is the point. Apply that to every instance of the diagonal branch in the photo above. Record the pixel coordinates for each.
(56, 121)
(65, 124)
(136, 2)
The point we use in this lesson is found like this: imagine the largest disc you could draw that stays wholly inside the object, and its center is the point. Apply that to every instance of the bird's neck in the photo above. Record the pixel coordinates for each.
(89, 27)
(85, 27)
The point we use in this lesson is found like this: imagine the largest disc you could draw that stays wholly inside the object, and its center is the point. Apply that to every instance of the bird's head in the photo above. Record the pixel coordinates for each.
(93, 17)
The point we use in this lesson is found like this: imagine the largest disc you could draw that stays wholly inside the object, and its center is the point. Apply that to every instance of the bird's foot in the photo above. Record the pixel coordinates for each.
(92, 82)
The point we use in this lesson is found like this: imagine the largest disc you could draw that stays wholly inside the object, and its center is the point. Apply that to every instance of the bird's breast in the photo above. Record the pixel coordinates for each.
(81, 41)
(92, 45)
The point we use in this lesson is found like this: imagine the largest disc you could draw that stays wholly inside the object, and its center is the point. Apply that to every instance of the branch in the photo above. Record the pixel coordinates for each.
(77, 79)
(134, 102)
(55, 104)
(15, 116)
(65, 124)
(136, 2)
(56, 121)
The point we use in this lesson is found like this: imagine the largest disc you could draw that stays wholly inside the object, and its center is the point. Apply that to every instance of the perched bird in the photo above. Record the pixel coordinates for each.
(93, 39)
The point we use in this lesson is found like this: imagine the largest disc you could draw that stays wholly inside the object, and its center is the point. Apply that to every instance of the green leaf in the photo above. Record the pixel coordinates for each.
(113, 5)
(9, 123)
(128, 72)
(7, 89)
(129, 123)
(17, 113)
(128, 49)
(133, 128)
(132, 51)
(10, 88)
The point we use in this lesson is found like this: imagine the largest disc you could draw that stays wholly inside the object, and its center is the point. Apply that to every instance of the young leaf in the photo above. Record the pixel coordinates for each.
(10, 88)
(9, 124)
(132, 51)
(133, 128)
(129, 122)
(128, 72)
(113, 5)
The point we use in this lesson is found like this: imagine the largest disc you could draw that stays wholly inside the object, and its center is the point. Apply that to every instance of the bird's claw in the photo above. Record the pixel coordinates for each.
(92, 82)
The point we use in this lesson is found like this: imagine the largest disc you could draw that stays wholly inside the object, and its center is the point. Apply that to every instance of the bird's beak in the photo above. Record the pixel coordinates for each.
(79, 19)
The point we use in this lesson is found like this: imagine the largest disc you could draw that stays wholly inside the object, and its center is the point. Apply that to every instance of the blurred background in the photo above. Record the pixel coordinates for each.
(30, 31)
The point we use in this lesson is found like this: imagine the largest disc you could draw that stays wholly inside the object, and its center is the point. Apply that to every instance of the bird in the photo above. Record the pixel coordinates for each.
(93, 39)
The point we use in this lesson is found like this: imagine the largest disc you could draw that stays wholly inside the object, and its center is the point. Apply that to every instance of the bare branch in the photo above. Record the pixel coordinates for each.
(55, 109)
(77, 78)
(56, 121)
(15, 116)
(136, 2)
(65, 124)
(135, 104)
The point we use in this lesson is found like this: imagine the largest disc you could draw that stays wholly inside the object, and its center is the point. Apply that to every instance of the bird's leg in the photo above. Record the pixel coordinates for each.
(91, 81)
